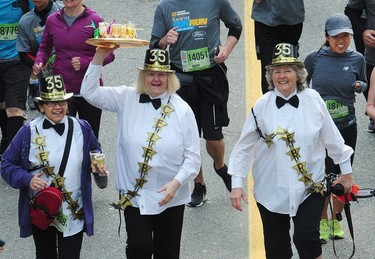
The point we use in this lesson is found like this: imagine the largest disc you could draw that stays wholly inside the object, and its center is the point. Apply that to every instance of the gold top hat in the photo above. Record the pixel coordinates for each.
(52, 89)
(157, 60)
(285, 54)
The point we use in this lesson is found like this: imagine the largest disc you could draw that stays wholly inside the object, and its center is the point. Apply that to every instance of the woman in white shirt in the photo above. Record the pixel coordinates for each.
(158, 152)
(53, 151)
(284, 140)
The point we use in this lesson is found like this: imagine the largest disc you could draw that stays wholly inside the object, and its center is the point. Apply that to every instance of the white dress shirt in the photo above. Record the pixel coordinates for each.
(178, 150)
(55, 145)
(276, 182)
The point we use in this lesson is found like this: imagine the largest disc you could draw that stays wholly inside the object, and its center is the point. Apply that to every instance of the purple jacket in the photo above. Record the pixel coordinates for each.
(15, 163)
(69, 42)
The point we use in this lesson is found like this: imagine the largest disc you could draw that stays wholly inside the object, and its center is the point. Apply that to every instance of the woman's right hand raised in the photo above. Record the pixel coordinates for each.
(102, 52)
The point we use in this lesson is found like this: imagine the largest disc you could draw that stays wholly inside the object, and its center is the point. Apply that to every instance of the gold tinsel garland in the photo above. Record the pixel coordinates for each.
(148, 153)
(58, 181)
(293, 153)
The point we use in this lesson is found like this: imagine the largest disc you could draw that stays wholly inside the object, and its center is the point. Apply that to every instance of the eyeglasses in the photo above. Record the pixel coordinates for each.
(53, 104)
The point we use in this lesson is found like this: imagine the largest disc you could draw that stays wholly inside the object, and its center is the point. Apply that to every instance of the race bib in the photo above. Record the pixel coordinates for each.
(8, 31)
(195, 60)
(336, 109)
(60, 222)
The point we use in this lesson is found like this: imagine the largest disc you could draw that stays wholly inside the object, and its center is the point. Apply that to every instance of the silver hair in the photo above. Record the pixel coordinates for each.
(301, 76)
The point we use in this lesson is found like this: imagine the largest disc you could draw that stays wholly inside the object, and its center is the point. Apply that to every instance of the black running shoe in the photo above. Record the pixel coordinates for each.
(198, 197)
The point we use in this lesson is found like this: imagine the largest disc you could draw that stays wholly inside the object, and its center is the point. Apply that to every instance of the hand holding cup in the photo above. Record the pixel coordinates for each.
(98, 162)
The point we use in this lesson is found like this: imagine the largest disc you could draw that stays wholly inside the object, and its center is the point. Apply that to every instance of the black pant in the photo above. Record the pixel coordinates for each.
(50, 244)
(85, 111)
(266, 38)
(158, 235)
(369, 69)
(276, 229)
(349, 135)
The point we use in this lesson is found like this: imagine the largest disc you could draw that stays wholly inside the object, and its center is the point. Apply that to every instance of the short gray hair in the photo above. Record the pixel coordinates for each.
(301, 76)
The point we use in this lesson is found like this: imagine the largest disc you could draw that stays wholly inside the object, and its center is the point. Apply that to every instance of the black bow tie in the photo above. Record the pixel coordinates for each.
(144, 98)
(59, 127)
(294, 101)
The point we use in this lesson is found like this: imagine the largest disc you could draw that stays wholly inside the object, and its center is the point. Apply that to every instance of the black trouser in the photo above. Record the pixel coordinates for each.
(158, 235)
(85, 111)
(349, 135)
(50, 244)
(276, 229)
(266, 38)
(369, 69)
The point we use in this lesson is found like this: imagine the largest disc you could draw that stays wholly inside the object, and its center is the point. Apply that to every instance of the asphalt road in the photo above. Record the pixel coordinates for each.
(215, 230)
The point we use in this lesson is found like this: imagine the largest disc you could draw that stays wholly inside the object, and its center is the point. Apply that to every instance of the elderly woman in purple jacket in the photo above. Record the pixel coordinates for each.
(33, 161)
(66, 32)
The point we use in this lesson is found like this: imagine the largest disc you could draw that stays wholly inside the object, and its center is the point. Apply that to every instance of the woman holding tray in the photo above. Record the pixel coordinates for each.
(158, 153)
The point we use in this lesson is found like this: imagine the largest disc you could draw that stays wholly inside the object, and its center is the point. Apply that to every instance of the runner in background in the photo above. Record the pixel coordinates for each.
(14, 75)
(191, 30)
(30, 33)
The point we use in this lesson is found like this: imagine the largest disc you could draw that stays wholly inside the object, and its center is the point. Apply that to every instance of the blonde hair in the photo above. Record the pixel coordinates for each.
(173, 84)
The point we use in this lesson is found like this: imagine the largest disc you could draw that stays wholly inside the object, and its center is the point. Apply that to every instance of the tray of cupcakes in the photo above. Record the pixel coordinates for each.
(109, 34)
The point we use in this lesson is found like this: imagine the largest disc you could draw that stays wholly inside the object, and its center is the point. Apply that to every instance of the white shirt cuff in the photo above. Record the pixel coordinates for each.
(346, 167)
(237, 182)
